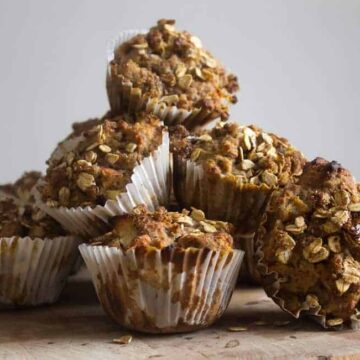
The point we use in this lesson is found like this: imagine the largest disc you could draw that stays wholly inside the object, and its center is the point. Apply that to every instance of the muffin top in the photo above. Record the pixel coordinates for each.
(161, 229)
(21, 189)
(18, 214)
(311, 238)
(172, 67)
(245, 154)
(100, 161)
(78, 128)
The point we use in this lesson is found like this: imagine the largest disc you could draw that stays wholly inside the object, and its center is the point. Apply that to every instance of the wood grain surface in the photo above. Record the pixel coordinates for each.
(77, 328)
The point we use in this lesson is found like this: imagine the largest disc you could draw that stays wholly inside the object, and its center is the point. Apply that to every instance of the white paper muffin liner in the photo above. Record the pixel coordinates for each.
(162, 291)
(127, 98)
(271, 282)
(34, 271)
(150, 185)
(220, 198)
(248, 272)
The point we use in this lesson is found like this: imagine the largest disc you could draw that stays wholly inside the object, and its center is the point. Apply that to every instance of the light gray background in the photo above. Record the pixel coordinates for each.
(297, 63)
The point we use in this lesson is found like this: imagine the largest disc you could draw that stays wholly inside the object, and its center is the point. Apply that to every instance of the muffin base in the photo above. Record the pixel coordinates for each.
(163, 291)
(34, 271)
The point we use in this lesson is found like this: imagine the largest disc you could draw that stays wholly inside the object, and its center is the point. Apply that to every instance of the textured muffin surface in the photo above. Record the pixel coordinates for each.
(18, 214)
(311, 239)
(245, 154)
(101, 160)
(173, 68)
(162, 229)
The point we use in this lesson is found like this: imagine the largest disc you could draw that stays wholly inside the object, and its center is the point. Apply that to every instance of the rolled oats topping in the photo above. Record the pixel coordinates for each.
(162, 228)
(244, 153)
(18, 214)
(173, 68)
(101, 163)
(323, 256)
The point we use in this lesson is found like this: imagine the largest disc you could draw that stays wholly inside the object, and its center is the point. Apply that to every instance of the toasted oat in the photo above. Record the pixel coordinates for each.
(105, 148)
(342, 286)
(312, 300)
(123, 340)
(334, 322)
(261, 323)
(237, 328)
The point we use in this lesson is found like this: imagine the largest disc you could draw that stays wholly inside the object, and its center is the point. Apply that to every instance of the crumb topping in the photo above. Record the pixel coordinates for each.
(244, 153)
(311, 238)
(161, 229)
(100, 164)
(172, 67)
(18, 214)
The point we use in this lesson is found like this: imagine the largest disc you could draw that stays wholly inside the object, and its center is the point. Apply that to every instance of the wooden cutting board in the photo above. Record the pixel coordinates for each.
(77, 328)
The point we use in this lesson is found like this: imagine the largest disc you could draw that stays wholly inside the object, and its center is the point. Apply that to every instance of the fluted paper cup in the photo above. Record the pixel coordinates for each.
(163, 291)
(248, 272)
(124, 97)
(221, 198)
(150, 185)
(34, 271)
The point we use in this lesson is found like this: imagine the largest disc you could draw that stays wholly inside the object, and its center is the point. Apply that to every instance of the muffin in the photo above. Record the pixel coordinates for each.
(113, 165)
(230, 171)
(308, 245)
(36, 256)
(168, 72)
(164, 272)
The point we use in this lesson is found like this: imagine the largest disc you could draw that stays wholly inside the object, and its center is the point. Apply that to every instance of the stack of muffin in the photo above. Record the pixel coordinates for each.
(161, 264)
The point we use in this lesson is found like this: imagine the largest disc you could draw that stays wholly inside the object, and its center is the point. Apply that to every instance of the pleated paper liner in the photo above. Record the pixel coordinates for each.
(34, 271)
(271, 282)
(224, 199)
(220, 198)
(249, 273)
(163, 291)
(124, 97)
(150, 185)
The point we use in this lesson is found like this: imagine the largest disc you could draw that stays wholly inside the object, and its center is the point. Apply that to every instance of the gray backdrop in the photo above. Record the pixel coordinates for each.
(297, 63)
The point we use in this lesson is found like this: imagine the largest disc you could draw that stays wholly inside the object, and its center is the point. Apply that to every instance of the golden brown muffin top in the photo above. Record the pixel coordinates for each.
(78, 128)
(18, 214)
(245, 153)
(311, 238)
(162, 229)
(101, 161)
(172, 67)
